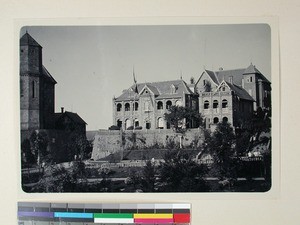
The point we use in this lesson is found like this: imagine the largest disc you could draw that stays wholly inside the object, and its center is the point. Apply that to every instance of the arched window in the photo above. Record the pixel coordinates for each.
(225, 119)
(127, 123)
(206, 104)
(136, 123)
(127, 107)
(119, 107)
(216, 120)
(215, 104)
(168, 104)
(33, 89)
(136, 106)
(160, 123)
(119, 123)
(178, 103)
(224, 103)
(22, 88)
(159, 105)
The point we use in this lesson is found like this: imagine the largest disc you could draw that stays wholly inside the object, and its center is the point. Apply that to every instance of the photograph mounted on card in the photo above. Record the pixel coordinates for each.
(146, 108)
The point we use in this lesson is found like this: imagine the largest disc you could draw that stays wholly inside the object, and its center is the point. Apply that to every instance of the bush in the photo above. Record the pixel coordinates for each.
(114, 127)
(130, 128)
(139, 128)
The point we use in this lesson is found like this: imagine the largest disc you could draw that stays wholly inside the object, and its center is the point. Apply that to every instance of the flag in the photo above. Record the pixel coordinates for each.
(134, 80)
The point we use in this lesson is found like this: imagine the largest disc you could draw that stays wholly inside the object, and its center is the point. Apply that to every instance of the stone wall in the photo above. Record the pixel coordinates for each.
(107, 142)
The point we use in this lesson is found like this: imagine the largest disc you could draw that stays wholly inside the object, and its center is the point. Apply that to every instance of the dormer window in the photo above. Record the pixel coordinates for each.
(173, 89)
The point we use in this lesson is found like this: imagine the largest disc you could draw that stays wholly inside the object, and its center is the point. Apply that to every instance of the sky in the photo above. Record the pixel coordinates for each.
(92, 64)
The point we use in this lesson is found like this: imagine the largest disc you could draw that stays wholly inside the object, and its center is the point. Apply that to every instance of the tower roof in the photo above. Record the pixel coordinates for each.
(251, 69)
(26, 39)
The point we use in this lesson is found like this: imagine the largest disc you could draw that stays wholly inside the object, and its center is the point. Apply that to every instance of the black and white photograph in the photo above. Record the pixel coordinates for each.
(146, 108)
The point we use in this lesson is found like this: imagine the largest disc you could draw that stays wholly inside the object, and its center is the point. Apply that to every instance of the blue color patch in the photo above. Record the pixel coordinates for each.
(73, 215)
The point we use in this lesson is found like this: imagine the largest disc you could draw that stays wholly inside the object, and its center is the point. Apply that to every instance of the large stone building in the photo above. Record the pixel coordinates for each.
(144, 104)
(224, 95)
(232, 95)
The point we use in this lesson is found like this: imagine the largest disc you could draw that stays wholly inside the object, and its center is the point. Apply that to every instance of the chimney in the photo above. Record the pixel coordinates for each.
(62, 109)
(231, 79)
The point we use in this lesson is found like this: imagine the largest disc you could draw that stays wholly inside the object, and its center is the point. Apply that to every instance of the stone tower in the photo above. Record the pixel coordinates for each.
(36, 87)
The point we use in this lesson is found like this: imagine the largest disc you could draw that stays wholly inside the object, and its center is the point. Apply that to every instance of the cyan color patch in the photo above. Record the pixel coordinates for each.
(73, 215)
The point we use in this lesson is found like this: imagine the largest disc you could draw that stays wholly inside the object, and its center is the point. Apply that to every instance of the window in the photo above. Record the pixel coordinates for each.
(33, 89)
(136, 106)
(160, 123)
(225, 119)
(127, 107)
(215, 104)
(127, 124)
(168, 104)
(168, 125)
(159, 105)
(206, 104)
(224, 103)
(148, 125)
(147, 106)
(223, 88)
(204, 82)
(178, 103)
(136, 123)
(119, 123)
(119, 107)
(21, 88)
(216, 120)
(250, 79)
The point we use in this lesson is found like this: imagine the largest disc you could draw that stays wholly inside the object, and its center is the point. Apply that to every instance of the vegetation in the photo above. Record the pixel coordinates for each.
(181, 118)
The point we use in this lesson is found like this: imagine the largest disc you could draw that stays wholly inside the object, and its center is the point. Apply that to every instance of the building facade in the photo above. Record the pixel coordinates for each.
(143, 105)
(37, 87)
(224, 95)
(232, 95)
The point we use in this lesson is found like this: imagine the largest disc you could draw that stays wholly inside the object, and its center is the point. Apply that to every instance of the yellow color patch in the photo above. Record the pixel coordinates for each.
(153, 216)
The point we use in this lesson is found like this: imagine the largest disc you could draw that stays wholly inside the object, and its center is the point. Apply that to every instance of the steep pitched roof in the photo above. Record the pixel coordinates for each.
(213, 76)
(237, 75)
(73, 116)
(253, 70)
(26, 39)
(48, 75)
(160, 89)
(240, 92)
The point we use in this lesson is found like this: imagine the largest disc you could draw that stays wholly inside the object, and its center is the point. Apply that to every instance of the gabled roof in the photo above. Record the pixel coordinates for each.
(240, 92)
(253, 70)
(213, 76)
(236, 74)
(159, 89)
(26, 39)
(73, 116)
(48, 75)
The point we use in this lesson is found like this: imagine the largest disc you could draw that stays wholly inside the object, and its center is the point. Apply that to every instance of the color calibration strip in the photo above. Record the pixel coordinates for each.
(106, 213)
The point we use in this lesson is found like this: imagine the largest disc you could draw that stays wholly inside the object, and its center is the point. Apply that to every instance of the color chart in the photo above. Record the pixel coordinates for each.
(35, 213)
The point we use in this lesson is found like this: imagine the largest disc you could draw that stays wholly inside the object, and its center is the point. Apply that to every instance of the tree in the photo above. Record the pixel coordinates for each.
(27, 155)
(180, 173)
(148, 177)
(177, 115)
(39, 146)
(222, 147)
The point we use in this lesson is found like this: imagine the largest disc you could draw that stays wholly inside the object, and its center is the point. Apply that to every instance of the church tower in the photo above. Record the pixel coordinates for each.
(36, 87)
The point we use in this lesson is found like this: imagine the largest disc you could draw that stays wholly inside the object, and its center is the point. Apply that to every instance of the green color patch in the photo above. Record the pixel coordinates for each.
(113, 215)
